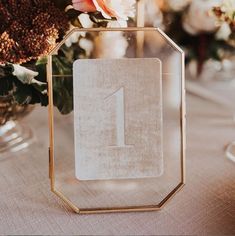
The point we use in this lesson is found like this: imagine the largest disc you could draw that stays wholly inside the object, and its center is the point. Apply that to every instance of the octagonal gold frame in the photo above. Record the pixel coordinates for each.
(51, 128)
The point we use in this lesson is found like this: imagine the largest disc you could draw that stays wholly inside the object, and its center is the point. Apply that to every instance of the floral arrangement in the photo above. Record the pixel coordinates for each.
(204, 28)
(26, 40)
(225, 14)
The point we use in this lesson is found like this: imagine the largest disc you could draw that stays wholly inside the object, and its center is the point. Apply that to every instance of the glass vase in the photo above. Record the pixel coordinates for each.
(14, 135)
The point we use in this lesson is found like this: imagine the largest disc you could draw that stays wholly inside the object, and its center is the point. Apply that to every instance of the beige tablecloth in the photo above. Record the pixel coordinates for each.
(206, 205)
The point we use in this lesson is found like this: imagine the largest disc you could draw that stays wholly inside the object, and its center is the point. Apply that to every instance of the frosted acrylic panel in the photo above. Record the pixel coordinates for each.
(145, 166)
(117, 118)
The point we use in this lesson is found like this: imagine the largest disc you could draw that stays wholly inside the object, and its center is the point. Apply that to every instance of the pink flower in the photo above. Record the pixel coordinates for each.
(84, 5)
(121, 9)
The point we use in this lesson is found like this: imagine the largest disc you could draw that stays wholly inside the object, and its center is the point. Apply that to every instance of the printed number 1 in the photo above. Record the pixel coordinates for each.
(120, 117)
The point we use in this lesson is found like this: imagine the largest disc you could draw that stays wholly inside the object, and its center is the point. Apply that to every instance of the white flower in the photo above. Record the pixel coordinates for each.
(85, 20)
(224, 32)
(110, 45)
(228, 6)
(177, 5)
(197, 19)
(121, 9)
(87, 45)
(74, 37)
(153, 15)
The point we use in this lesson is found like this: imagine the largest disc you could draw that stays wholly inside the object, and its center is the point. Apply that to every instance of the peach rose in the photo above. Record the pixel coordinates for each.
(84, 5)
(121, 9)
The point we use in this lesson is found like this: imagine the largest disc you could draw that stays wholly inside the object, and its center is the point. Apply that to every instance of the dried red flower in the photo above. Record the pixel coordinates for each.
(29, 30)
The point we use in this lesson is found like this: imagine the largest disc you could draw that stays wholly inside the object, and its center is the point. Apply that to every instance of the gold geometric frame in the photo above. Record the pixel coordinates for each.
(51, 126)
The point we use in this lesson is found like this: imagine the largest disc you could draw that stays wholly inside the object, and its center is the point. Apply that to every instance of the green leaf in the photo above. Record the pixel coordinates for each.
(42, 60)
(6, 86)
(22, 93)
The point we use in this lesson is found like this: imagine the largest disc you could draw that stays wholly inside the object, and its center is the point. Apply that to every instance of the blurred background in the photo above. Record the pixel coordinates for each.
(204, 29)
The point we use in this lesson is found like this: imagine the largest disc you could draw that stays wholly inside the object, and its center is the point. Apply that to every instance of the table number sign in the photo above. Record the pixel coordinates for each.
(118, 118)
(119, 144)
